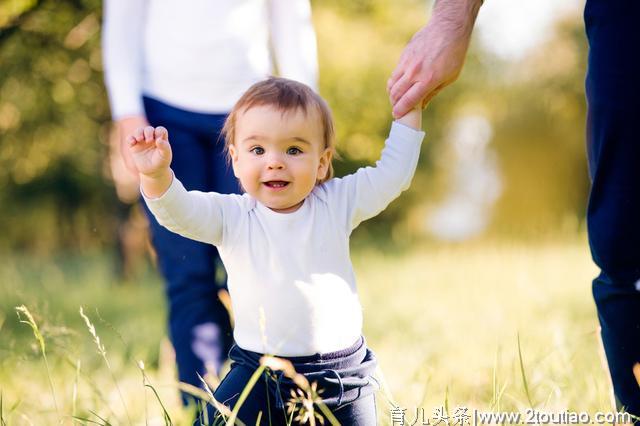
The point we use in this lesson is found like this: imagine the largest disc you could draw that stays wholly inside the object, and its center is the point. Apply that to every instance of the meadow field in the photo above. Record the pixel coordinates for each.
(492, 326)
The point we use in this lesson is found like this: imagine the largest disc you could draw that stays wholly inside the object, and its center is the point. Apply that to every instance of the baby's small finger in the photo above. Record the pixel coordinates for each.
(139, 134)
(131, 140)
(162, 133)
(148, 134)
(164, 147)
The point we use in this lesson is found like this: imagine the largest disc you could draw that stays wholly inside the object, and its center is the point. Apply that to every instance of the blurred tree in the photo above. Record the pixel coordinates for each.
(540, 137)
(55, 191)
(53, 115)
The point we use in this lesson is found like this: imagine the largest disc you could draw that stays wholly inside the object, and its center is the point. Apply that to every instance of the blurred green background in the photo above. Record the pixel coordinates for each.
(54, 126)
(487, 244)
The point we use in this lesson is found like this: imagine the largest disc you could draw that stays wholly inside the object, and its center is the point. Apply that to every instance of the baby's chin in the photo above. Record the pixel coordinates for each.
(283, 208)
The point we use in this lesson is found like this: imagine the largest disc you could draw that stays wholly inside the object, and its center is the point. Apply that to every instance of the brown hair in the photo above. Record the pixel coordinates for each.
(285, 95)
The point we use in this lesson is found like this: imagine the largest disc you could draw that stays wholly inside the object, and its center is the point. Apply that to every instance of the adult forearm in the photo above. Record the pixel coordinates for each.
(434, 57)
(457, 15)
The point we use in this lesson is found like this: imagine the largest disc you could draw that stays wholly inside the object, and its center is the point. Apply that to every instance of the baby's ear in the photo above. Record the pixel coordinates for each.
(233, 154)
(323, 165)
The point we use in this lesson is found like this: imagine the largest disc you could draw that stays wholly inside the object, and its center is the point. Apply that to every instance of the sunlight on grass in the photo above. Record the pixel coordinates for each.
(484, 325)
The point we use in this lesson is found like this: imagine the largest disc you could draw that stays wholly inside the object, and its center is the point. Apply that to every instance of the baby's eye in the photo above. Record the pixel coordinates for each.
(294, 151)
(258, 150)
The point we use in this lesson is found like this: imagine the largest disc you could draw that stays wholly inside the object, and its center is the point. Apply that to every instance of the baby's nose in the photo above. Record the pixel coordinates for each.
(275, 162)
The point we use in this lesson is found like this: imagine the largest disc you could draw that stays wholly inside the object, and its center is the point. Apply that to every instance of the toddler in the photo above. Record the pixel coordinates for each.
(285, 243)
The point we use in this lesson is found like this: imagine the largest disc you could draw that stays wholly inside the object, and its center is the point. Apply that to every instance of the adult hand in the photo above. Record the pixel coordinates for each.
(434, 57)
(126, 127)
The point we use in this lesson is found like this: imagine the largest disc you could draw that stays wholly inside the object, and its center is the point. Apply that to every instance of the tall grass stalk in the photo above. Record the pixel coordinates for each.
(74, 396)
(146, 384)
(496, 392)
(244, 394)
(102, 351)
(144, 390)
(446, 402)
(207, 396)
(2, 422)
(524, 376)
(43, 349)
(307, 394)
(96, 391)
(384, 387)
(105, 422)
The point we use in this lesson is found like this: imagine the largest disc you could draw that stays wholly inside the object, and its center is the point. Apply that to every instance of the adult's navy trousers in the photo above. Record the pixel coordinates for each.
(199, 324)
(613, 215)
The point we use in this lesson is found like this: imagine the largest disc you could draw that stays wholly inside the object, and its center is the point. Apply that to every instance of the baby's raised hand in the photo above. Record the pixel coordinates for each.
(150, 150)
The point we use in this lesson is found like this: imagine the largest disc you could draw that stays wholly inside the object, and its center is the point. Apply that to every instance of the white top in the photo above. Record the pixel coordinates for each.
(290, 278)
(201, 55)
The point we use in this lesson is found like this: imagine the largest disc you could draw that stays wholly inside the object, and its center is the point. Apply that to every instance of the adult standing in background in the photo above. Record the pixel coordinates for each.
(434, 58)
(182, 65)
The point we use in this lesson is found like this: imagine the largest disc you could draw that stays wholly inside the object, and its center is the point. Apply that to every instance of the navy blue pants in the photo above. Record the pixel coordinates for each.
(345, 378)
(613, 216)
(199, 325)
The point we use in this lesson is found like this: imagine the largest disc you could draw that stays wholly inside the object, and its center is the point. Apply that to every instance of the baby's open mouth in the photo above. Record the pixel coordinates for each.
(276, 183)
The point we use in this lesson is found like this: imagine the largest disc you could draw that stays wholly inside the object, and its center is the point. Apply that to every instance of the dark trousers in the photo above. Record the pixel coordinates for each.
(199, 325)
(613, 216)
(345, 379)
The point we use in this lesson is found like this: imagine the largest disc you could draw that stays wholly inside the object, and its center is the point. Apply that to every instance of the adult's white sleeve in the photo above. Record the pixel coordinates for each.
(369, 190)
(193, 214)
(122, 52)
(294, 40)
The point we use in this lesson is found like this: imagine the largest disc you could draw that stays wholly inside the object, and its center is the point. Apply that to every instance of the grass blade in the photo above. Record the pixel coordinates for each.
(446, 402)
(2, 422)
(106, 422)
(385, 388)
(524, 376)
(146, 384)
(36, 332)
(103, 353)
(74, 396)
(245, 393)
(86, 420)
(165, 413)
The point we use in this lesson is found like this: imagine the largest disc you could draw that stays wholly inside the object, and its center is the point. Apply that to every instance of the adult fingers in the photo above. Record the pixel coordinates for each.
(410, 99)
(400, 88)
(397, 73)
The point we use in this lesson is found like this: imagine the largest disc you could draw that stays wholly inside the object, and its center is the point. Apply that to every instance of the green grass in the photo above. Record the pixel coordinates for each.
(493, 326)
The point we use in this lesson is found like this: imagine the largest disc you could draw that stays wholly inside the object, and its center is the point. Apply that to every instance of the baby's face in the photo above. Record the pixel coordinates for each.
(278, 157)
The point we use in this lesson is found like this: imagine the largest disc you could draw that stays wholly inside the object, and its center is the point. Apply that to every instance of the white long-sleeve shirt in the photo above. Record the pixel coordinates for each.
(201, 55)
(290, 277)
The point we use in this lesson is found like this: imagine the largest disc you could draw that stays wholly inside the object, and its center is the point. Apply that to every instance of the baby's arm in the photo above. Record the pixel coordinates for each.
(412, 119)
(192, 214)
(369, 190)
